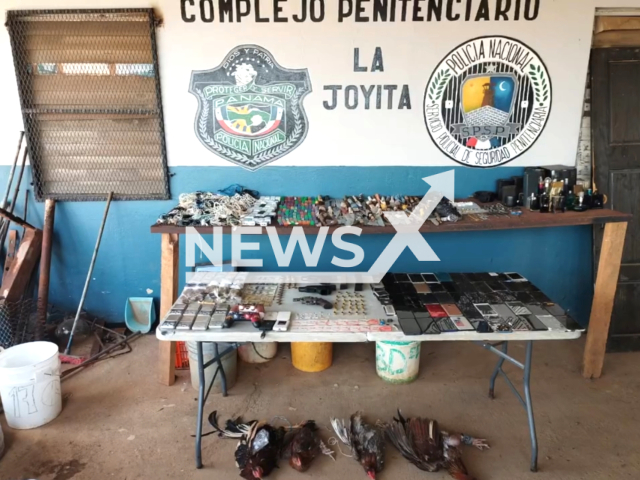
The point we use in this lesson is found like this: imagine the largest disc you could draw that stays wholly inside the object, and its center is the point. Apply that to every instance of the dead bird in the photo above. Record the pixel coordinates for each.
(259, 448)
(303, 445)
(421, 441)
(365, 440)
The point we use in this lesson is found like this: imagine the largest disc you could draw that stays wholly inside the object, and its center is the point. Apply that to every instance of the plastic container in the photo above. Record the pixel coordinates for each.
(311, 356)
(139, 314)
(398, 362)
(30, 384)
(229, 363)
(259, 352)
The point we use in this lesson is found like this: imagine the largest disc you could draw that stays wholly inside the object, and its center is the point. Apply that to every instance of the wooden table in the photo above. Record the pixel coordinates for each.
(604, 292)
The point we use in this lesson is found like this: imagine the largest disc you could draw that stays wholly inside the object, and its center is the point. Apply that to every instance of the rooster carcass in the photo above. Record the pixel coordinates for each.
(366, 442)
(421, 441)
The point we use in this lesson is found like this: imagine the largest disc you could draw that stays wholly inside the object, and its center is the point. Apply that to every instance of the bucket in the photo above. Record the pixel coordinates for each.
(229, 363)
(398, 362)
(311, 356)
(30, 384)
(259, 352)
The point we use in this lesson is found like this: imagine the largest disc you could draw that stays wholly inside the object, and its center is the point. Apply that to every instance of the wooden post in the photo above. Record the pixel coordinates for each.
(168, 295)
(45, 265)
(603, 298)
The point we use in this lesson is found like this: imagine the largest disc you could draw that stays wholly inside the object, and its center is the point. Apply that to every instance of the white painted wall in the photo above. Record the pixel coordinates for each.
(561, 36)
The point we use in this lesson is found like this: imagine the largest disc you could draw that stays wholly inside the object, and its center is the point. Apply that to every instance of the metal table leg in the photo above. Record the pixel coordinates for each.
(204, 394)
(200, 406)
(526, 401)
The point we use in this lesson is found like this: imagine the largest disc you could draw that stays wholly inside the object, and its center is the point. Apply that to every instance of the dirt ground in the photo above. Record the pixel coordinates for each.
(118, 422)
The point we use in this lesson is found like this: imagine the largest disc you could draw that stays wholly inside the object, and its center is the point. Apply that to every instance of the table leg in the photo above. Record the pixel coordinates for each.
(603, 297)
(201, 400)
(527, 397)
(526, 401)
(492, 383)
(168, 295)
(223, 376)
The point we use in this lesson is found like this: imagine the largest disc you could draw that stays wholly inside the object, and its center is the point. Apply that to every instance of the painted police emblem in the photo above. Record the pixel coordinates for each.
(488, 101)
(250, 108)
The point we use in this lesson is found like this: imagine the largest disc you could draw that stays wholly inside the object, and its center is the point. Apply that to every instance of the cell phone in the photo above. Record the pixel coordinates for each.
(217, 320)
(409, 326)
(555, 310)
(551, 322)
(421, 288)
(537, 310)
(461, 323)
(516, 277)
(202, 322)
(389, 310)
(430, 278)
(485, 309)
(445, 324)
(451, 309)
(428, 325)
(536, 323)
(436, 311)
(416, 278)
(444, 297)
(170, 322)
(482, 287)
(281, 326)
(518, 308)
(521, 324)
(437, 287)
(503, 311)
(186, 322)
(443, 277)
(401, 277)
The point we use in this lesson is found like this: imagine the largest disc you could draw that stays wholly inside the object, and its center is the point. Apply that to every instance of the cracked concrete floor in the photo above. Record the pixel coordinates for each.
(118, 422)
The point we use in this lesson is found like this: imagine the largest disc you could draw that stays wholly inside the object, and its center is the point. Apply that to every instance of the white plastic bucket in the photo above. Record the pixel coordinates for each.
(259, 352)
(398, 362)
(30, 384)
(229, 363)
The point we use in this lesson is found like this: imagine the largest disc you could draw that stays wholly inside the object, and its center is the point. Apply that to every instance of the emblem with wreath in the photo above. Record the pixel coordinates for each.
(269, 154)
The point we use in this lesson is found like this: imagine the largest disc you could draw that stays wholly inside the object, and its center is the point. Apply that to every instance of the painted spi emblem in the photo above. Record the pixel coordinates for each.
(250, 108)
(488, 101)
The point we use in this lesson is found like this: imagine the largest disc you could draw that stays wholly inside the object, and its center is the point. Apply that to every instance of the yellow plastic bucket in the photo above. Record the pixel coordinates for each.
(311, 356)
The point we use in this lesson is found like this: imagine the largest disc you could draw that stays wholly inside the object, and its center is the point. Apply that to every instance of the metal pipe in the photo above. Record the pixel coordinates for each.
(89, 273)
(45, 265)
(4, 229)
(101, 353)
(12, 172)
(26, 209)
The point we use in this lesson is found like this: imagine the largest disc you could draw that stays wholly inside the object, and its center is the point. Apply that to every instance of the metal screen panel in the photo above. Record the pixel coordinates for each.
(90, 96)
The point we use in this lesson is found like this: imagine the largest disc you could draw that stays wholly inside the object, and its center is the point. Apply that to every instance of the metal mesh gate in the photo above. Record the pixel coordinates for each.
(90, 97)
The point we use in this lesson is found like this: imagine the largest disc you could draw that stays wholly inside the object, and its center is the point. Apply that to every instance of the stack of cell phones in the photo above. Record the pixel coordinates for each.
(485, 302)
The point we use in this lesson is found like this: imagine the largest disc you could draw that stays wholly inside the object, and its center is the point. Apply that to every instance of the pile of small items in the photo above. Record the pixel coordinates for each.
(217, 209)
(433, 303)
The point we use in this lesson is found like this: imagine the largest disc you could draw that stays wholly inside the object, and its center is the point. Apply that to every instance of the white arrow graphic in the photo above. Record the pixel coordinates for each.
(407, 228)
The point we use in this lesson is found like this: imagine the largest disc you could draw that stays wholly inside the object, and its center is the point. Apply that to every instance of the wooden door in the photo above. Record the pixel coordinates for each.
(615, 117)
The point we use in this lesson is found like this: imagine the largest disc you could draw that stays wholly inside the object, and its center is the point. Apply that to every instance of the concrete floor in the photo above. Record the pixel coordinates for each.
(118, 422)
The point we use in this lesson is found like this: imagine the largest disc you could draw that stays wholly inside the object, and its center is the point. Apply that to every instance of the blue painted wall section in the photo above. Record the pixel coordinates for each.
(557, 260)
